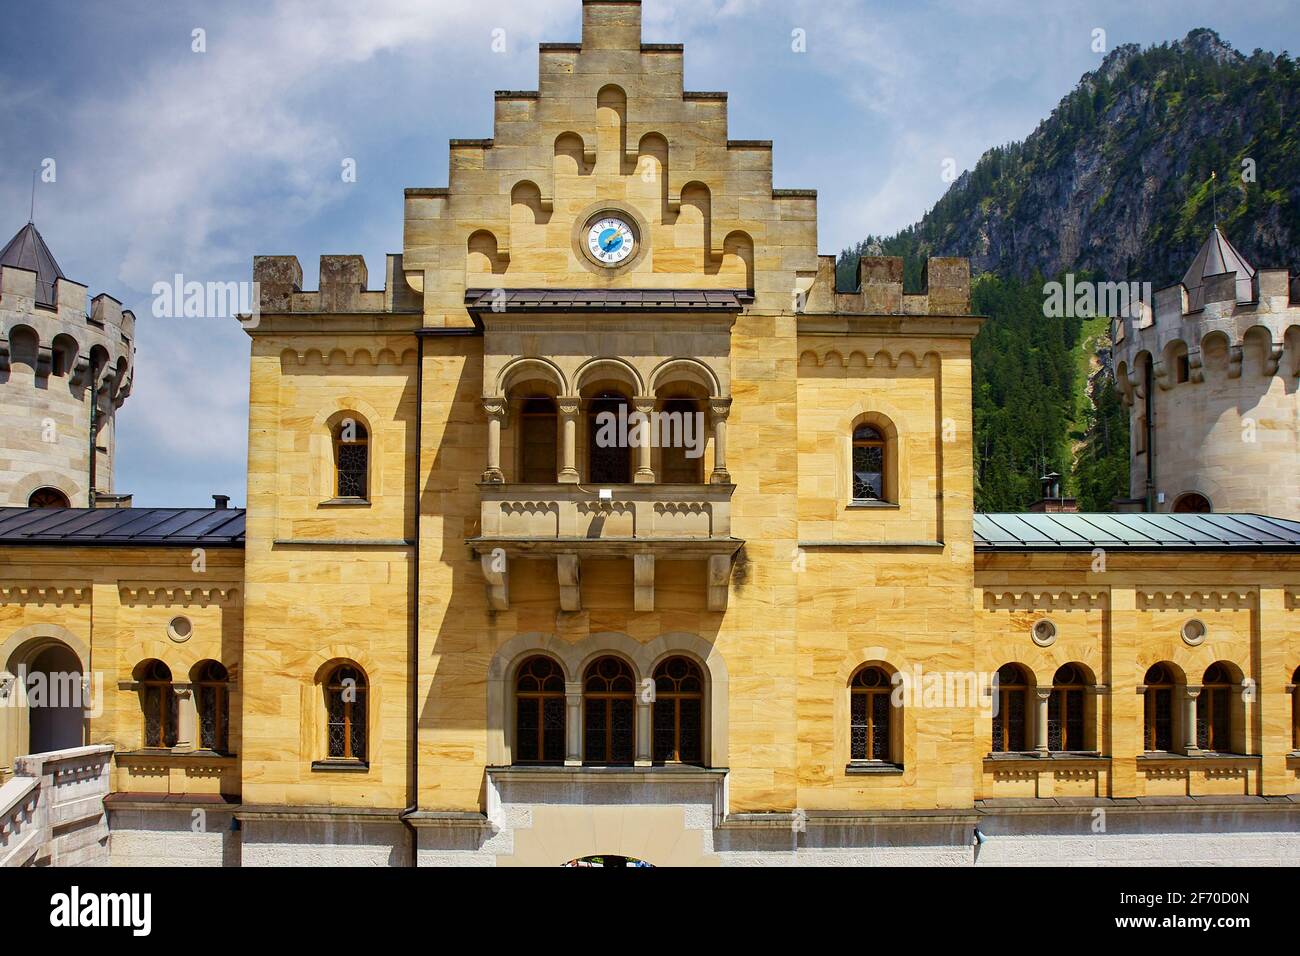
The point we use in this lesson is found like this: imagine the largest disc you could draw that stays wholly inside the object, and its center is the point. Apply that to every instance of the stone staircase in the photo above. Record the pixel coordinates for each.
(52, 809)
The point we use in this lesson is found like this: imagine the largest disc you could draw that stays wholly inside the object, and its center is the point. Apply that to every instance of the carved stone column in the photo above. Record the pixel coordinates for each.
(644, 726)
(1191, 693)
(573, 723)
(645, 406)
(187, 718)
(569, 409)
(496, 416)
(720, 409)
(1044, 695)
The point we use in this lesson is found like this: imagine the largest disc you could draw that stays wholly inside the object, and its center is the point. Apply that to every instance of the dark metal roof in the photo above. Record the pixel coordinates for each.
(27, 250)
(1135, 532)
(152, 527)
(605, 300)
(1216, 257)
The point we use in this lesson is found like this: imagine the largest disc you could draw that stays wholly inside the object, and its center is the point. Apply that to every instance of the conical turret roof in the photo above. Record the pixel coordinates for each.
(27, 250)
(1216, 257)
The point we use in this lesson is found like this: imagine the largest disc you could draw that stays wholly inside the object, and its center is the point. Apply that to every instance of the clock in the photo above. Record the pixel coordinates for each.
(610, 240)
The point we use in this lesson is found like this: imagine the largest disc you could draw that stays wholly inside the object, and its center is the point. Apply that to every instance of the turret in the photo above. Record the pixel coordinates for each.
(66, 366)
(1209, 371)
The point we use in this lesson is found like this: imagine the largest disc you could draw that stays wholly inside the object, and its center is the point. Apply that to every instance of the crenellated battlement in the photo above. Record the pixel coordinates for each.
(945, 288)
(1226, 312)
(344, 282)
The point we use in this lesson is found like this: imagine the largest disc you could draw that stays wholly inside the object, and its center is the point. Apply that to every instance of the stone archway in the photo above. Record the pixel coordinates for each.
(56, 714)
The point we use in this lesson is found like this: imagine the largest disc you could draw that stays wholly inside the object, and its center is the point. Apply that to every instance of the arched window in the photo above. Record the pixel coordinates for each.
(1214, 710)
(537, 442)
(869, 715)
(48, 498)
(539, 712)
(159, 703)
(345, 713)
(609, 453)
(678, 712)
(1159, 698)
(1192, 504)
(1295, 710)
(681, 436)
(869, 453)
(1009, 719)
(351, 459)
(1066, 708)
(609, 712)
(212, 701)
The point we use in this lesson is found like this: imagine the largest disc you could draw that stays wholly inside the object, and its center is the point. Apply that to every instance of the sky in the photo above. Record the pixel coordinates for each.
(171, 161)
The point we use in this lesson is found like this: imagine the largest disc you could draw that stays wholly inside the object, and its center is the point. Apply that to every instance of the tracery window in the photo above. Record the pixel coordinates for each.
(678, 712)
(1214, 710)
(539, 712)
(351, 459)
(609, 712)
(48, 498)
(159, 704)
(345, 713)
(869, 451)
(212, 691)
(1159, 708)
(869, 714)
(1009, 720)
(1066, 708)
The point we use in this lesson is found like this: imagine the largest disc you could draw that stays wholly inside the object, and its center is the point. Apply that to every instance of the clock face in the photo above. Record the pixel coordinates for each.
(610, 240)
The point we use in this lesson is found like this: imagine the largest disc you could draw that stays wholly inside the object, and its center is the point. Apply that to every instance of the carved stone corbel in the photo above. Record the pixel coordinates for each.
(568, 567)
(1195, 370)
(1235, 354)
(496, 571)
(4, 354)
(1273, 359)
(44, 361)
(719, 581)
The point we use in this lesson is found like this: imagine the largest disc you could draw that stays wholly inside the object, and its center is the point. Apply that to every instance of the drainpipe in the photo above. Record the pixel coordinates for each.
(412, 683)
(94, 419)
(1150, 402)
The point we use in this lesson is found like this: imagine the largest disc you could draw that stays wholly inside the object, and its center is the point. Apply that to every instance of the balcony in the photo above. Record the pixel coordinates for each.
(570, 522)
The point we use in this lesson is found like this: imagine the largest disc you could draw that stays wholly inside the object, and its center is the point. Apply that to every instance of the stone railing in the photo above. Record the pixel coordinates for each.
(52, 811)
(571, 523)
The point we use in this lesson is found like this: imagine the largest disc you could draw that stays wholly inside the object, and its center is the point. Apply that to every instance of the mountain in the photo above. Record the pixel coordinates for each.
(1115, 184)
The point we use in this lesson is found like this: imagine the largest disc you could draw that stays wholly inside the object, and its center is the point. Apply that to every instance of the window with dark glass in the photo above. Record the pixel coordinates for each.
(1192, 504)
(1184, 369)
(539, 712)
(869, 715)
(1065, 710)
(351, 459)
(608, 451)
(537, 442)
(160, 705)
(212, 692)
(1214, 710)
(1159, 707)
(345, 710)
(48, 498)
(678, 712)
(609, 712)
(681, 422)
(868, 464)
(1295, 710)
(1009, 730)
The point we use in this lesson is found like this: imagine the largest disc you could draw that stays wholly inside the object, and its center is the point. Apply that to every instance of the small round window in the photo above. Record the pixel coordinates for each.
(1194, 633)
(179, 629)
(1044, 633)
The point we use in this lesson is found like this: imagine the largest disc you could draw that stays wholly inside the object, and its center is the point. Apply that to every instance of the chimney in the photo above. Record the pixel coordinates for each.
(1051, 501)
(220, 502)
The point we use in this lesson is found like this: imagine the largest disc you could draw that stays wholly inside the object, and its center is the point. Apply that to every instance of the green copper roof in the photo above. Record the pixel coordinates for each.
(1139, 532)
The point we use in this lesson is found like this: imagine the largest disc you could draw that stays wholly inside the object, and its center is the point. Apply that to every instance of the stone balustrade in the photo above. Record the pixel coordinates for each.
(52, 811)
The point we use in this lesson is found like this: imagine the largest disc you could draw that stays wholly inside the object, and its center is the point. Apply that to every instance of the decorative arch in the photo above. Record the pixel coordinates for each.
(616, 369)
(530, 368)
(894, 473)
(689, 370)
(528, 195)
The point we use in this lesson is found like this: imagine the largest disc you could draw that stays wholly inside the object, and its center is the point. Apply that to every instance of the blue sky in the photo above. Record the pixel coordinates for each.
(171, 161)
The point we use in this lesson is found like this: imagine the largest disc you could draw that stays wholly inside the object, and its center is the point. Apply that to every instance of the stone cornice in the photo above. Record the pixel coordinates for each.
(17, 592)
(1196, 599)
(1066, 599)
(182, 595)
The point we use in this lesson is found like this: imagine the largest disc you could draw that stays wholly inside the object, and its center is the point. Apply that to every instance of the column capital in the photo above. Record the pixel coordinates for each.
(568, 404)
(496, 406)
(1043, 693)
(720, 408)
(645, 404)
(1192, 691)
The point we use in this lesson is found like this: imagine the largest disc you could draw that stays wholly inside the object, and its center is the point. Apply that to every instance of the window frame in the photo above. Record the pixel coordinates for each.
(539, 697)
(219, 688)
(882, 442)
(1005, 691)
(333, 684)
(361, 440)
(1150, 718)
(883, 689)
(676, 696)
(168, 705)
(606, 699)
